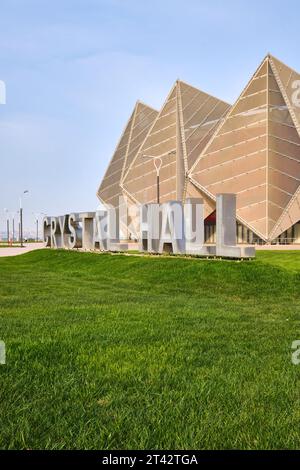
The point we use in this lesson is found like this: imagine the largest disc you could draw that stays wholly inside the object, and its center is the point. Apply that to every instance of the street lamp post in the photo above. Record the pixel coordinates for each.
(19, 229)
(7, 225)
(157, 164)
(13, 214)
(21, 217)
(37, 215)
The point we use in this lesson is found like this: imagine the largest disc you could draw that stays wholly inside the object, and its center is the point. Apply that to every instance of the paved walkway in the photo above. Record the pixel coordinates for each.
(14, 251)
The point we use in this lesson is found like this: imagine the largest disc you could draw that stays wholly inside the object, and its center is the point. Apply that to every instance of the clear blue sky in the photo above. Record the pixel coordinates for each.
(74, 69)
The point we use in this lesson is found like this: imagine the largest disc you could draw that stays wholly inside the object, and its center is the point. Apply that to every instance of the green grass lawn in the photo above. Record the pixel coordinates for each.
(107, 352)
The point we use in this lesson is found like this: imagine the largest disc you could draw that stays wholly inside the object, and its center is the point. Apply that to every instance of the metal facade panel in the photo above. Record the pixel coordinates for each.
(133, 135)
(261, 131)
(208, 147)
(236, 158)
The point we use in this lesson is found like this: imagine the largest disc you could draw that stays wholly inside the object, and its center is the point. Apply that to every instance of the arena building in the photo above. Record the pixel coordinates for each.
(199, 146)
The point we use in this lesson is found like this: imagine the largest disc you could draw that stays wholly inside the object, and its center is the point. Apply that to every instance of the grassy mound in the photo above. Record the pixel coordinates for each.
(108, 352)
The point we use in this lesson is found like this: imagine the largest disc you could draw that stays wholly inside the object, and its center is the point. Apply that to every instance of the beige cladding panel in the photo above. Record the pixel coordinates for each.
(163, 148)
(257, 85)
(294, 212)
(140, 181)
(216, 113)
(280, 114)
(132, 154)
(169, 107)
(238, 184)
(251, 102)
(275, 98)
(233, 168)
(251, 196)
(283, 181)
(274, 213)
(240, 136)
(198, 111)
(259, 226)
(284, 147)
(141, 169)
(200, 121)
(273, 85)
(243, 150)
(195, 136)
(124, 139)
(279, 175)
(285, 73)
(167, 187)
(287, 145)
(194, 148)
(111, 197)
(231, 152)
(252, 117)
(116, 163)
(161, 136)
(205, 123)
(193, 192)
(278, 196)
(144, 118)
(200, 114)
(253, 212)
(262, 70)
(113, 178)
(284, 165)
(121, 148)
(110, 190)
(286, 221)
(290, 80)
(285, 132)
(237, 137)
(162, 123)
(149, 180)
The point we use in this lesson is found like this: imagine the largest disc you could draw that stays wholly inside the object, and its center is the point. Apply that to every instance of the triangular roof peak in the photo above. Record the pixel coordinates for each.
(272, 57)
(200, 90)
(138, 102)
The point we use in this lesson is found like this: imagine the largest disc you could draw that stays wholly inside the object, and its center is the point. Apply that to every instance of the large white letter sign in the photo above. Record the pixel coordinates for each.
(226, 229)
(172, 228)
(47, 231)
(54, 233)
(114, 243)
(169, 227)
(150, 223)
(63, 225)
(100, 236)
(194, 229)
(87, 222)
(75, 232)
